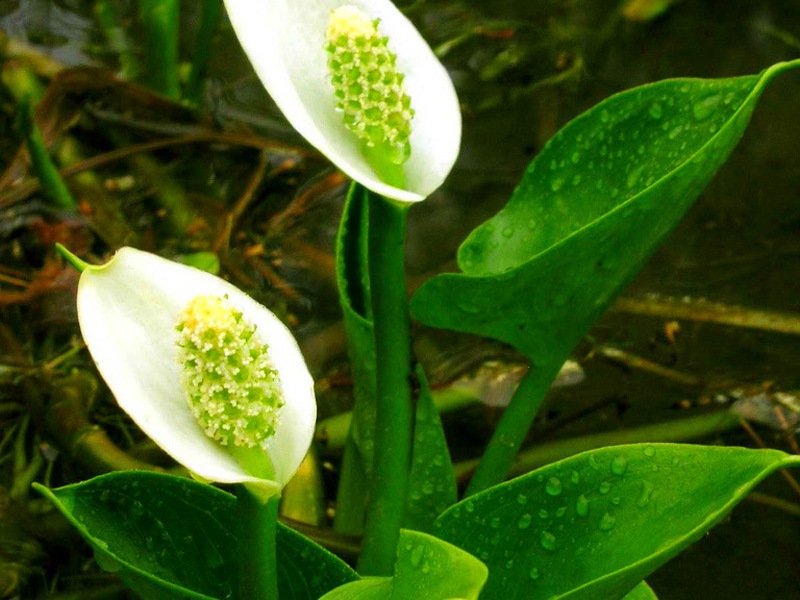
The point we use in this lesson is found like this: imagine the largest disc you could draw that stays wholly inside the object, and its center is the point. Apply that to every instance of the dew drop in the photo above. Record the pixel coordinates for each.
(494, 523)
(106, 562)
(633, 176)
(604, 116)
(576, 157)
(510, 564)
(675, 132)
(647, 493)
(531, 224)
(576, 180)
(607, 522)
(547, 541)
(605, 487)
(534, 573)
(582, 506)
(676, 461)
(543, 514)
(469, 506)
(655, 110)
(575, 477)
(561, 511)
(522, 499)
(554, 486)
(649, 451)
(704, 108)
(427, 488)
(416, 556)
(619, 465)
(556, 184)
(524, 521)
(508, 232)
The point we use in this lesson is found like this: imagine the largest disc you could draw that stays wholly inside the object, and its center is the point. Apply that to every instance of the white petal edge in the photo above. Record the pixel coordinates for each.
(128, 310)
(285, 39)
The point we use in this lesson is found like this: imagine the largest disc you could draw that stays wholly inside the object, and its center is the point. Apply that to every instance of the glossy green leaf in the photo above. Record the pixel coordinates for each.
(641, 592)
(593, 526)
(591, 208)
(170, 537)
(352, 274)
(426, 568)
(432, 486)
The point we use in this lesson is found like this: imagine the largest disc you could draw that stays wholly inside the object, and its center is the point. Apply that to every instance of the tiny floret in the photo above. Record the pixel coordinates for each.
(367, 86)
(231, 385)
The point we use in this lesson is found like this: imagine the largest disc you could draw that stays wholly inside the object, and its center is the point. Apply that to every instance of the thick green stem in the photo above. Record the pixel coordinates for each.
(257, 523)
(160, 22)
(394, 405)
(209, 22)
(512, 429)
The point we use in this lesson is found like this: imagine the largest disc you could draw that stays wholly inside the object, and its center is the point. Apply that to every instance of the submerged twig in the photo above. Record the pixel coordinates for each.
(692, 309)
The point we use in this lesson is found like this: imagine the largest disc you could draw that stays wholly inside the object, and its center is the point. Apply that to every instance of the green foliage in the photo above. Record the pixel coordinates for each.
(427, 568)
(591, 527)
(591, 208)
(641, 592)
(432, 485)
(168, 537)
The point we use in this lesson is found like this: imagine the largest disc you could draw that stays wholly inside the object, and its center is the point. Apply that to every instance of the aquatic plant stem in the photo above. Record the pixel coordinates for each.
(512, 428)
(160, 22)
(209, 22)
(257, 523)
(394, 405)
(50, 179)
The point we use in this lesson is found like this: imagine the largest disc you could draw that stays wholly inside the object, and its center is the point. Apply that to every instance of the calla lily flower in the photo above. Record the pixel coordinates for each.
(357, 80)
(209, 374)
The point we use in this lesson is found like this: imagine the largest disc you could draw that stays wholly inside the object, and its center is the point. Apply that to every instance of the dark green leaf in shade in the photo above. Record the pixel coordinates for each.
(591, 527)
(641, 592)
(169, 537)
(426, 568)
(432, 486)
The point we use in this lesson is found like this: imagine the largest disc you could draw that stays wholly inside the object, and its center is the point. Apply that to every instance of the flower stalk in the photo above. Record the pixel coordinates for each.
(394, 405)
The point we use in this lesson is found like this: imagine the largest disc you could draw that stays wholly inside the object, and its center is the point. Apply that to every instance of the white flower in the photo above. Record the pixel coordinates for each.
(212, 376)
(296, 48)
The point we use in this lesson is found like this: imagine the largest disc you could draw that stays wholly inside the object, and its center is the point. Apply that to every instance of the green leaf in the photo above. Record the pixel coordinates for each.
(352, 274)
(591, 208)
(593, 526)
(169, 537)
(641, 592)
(427, 568)
(432, 485)
(205, 261)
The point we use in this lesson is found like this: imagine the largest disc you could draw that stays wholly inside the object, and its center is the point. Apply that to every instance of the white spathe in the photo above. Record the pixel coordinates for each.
(128, 310)
(285, 41)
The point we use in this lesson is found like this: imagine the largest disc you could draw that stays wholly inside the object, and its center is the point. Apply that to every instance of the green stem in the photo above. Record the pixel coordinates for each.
(257, 524)
(512, 429)
(209, 21)
(160, 21)
(47, 173)
(116, 38)
(675, 430)
(394, 405)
